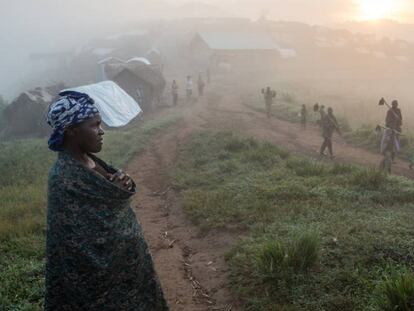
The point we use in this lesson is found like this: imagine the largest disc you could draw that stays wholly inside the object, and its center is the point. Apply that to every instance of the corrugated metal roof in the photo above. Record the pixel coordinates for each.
(238, 41)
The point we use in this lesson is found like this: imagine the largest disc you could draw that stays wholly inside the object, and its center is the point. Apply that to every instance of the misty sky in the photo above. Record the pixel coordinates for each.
(311, 11)
(28, 26)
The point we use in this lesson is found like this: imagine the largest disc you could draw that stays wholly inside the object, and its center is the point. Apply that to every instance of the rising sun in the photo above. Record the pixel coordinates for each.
(377, 9)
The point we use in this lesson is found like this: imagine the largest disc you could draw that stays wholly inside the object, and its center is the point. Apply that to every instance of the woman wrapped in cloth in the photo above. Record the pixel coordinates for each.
(97, 257)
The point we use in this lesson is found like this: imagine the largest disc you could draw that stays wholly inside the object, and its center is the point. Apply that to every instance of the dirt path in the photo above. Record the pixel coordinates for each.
(190, 265)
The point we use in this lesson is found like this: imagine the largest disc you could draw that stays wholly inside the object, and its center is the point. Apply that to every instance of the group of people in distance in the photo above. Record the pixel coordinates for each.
(327, 122)
(390, 142)
(201, 84)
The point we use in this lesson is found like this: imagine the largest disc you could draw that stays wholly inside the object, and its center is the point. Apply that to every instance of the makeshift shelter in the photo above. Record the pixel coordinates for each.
(241, 51)
(26, 115)
(155, 58)
(145, 83)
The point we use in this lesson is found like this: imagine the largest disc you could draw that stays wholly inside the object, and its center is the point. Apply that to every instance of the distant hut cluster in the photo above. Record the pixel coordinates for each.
(141, 78)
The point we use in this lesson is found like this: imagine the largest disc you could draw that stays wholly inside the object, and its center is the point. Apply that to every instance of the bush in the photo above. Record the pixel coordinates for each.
(398, 293)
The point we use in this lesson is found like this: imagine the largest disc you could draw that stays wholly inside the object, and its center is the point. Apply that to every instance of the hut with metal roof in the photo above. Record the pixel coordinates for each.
(249, 51)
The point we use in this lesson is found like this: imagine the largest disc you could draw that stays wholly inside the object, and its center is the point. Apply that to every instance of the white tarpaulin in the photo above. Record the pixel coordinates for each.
(116, 107)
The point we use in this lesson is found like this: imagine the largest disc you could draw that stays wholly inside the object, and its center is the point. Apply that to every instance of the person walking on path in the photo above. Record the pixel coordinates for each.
(329, 126)
(268, 95)
(189, 88)
(322, 115)
(174, 91)
(200, 85)
(303, 116)
(394, 122)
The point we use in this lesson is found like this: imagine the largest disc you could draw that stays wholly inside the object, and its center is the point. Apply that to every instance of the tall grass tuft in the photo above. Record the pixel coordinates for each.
(277, 261)
(272, 260)
(398, 293)
(369, 179)
(303, 252)
(341, 169)
(306, 168)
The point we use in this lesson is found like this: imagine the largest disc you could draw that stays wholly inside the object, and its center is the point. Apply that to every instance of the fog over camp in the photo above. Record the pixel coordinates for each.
(206, 155)
(50, 34)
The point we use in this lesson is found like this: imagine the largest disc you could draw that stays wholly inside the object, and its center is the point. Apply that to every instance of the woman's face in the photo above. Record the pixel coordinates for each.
(88, 135)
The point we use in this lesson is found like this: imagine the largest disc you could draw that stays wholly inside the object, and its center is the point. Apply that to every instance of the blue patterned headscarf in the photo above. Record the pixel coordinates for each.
(71, 108)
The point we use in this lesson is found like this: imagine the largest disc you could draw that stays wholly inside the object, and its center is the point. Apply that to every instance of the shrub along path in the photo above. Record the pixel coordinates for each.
(189, 260)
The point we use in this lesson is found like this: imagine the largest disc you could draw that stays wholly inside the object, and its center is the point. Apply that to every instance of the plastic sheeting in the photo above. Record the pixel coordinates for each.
(116, 107)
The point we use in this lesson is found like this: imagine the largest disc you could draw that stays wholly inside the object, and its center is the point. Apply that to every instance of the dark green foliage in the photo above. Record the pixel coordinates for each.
(397, 293)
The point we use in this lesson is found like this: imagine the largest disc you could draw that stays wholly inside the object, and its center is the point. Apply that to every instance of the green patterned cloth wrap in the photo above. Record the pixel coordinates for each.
(97, 257)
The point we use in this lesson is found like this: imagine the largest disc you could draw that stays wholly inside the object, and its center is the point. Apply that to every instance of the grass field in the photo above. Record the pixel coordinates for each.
(24, 167)
(317, 236)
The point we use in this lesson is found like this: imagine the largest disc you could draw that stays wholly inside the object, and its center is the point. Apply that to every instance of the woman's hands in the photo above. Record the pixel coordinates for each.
(122, 180)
